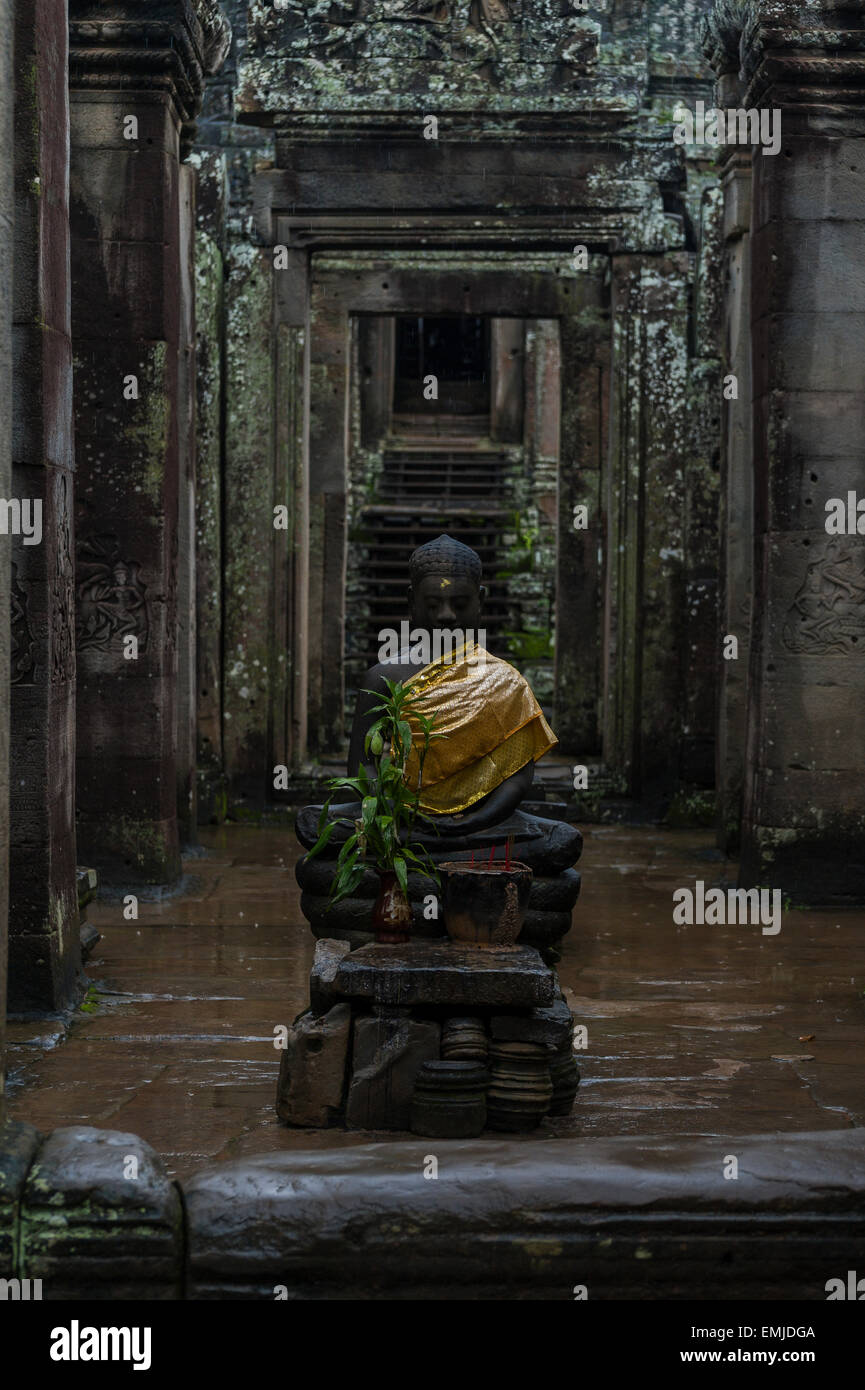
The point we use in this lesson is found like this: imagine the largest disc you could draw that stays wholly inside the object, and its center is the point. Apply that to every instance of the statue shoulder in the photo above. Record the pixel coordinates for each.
(510, 677)
(374, 678)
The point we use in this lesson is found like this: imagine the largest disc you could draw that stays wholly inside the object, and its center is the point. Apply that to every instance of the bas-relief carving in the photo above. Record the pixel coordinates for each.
(170, 634)
(63, 592)
(828, 613)
(22, 665)
(476, 32)
(112, 598)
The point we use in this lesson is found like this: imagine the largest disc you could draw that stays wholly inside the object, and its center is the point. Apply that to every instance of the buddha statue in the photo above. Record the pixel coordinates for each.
(474, 777)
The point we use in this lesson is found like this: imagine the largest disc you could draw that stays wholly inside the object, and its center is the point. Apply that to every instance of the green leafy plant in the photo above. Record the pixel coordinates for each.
(389, 807)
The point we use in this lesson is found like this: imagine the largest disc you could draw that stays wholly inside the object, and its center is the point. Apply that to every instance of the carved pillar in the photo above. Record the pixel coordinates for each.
(533, 595)
(135, 85)
(585, 395)
(736, 511)
(249, 535)
(7, 127)
(187, 818)
(644, 502)
(804, 795)
(209, 320)
(328, 451)
(44, 950)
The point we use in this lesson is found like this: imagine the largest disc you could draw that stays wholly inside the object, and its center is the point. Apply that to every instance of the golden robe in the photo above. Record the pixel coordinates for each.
(492, 723)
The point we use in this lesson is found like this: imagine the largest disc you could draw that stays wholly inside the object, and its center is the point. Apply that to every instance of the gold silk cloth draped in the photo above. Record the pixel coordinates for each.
(492, 723)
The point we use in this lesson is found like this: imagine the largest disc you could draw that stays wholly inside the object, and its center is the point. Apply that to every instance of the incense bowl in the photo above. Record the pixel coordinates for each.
(485, 904)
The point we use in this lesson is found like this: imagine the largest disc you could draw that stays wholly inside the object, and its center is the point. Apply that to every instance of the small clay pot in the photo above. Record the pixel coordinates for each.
(485, 906)
(391, 915)
(449, 1100)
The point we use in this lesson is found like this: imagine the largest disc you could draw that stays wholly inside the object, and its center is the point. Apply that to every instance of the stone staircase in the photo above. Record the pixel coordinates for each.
(441, 475)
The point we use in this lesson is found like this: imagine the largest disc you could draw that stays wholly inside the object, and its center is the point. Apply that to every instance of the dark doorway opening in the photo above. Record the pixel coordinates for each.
(456, 351)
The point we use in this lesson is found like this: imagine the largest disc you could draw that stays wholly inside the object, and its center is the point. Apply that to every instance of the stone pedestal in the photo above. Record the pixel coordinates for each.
(398, 1015)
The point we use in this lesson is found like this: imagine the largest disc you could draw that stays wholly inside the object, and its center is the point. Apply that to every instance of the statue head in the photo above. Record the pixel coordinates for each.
(445, 588)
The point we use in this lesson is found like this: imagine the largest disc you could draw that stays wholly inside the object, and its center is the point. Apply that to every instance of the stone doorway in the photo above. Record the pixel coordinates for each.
(442, 373)
(536, 316)
(431, 459)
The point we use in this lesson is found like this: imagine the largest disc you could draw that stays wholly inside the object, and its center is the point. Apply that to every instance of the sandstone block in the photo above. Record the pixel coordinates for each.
(553, 1026)
(433, 972)
(100, 1218)
(323, 994)
(389, 1050)
(312, 1073)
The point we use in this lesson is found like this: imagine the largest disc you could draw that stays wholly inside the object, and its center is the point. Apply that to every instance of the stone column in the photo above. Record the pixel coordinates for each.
(187, 818)
(507, 390)
(328, 452)
(644, 502)
(7, 128)
(249, 534)
(804, 795)
(376, 359)
(136, 81)
(209, 317)
(44, 962)
(736, 511)
(701, 648)
(585, 394)
(535, 482)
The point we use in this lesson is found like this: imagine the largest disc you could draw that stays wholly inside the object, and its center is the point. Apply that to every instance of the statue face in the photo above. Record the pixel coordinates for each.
(442, 601)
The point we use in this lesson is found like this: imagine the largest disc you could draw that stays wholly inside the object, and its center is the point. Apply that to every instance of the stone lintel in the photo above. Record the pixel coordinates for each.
(371, 73)
(440, 972)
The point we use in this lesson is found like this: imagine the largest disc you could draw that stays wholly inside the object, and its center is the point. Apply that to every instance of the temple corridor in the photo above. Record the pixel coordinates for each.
(691, 1030)
(426, 391)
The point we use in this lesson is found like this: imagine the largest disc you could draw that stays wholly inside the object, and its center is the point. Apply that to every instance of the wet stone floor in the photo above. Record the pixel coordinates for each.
(700, 1030)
